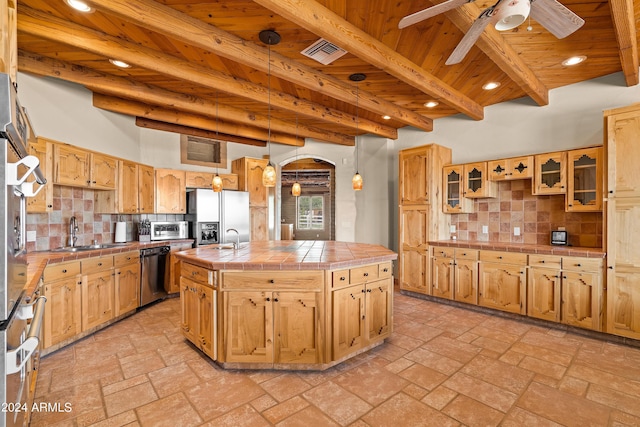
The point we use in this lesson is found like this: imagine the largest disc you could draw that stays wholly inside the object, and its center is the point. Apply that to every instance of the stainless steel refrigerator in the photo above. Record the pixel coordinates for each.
(19, 341)
(216, 217)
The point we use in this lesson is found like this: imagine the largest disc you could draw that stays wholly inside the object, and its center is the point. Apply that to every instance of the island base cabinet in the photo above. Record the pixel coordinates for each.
(502, 286)
(272, 327)
(623, 301)
(361, 316)
(198, 321)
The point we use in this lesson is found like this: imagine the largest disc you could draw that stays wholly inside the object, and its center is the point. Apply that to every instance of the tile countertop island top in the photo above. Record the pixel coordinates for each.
(522, 247)
(288, 255)
(38, 260)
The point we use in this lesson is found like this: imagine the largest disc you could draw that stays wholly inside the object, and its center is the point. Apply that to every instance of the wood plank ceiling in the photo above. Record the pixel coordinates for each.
(200, 64)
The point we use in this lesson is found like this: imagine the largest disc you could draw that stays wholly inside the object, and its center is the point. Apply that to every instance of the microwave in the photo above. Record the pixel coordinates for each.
(559, 237)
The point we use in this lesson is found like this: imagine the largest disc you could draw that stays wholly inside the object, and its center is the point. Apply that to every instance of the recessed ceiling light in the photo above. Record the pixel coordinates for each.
(490, 85)
(386, 117)
(431, 104)
(80, 6)
(120, 64)
(574, 60)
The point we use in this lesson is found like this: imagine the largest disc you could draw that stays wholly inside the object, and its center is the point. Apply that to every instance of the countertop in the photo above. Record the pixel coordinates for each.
(524, 248)
(288, 255)
(38, 260)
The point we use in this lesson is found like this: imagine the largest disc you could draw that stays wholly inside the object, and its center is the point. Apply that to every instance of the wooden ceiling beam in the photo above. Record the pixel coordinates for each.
(152, 95)
(321, 21)
(163, 19)
(501, 53)
(48, 27)
(624, 26)
(202, 133)
(179, 118)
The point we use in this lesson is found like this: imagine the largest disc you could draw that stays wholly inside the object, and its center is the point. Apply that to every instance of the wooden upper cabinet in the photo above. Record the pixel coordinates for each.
(171, 191)
(622, 127)
(414, 171)
(476, 183)
(453, 200)
(204, 179)
(249, 171)
(128, 189)
(512, 168)
(146, 186)
(71, 165)
(584, 180)
(550, 173)
(103, 171)
(77, 167)
(43, 201)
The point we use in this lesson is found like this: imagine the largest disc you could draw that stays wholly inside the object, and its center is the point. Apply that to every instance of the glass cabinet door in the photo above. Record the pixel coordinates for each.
(454, 201)
(550, 173)
(585, 180)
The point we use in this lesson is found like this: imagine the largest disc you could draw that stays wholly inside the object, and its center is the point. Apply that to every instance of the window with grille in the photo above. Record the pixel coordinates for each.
(310, 214)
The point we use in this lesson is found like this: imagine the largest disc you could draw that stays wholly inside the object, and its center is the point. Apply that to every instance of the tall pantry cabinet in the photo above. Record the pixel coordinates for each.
(621, 139)
(420, 214)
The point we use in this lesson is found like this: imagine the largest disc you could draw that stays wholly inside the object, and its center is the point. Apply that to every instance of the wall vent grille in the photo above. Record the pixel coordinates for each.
(324, 52)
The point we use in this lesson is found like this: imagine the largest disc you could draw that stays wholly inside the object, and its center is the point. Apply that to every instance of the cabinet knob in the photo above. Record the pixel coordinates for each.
(268, 299)
(64, 271)
(578, 265)
(49, 206)
(542, 261)
(366, 274)
(99, 264)
(343, 278)
(275, 300)
(272, 281)
(385, 270)
(499, 257)
(610, 267)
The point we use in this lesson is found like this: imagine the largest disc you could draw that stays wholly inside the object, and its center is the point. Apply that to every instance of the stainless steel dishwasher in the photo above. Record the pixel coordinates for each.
(154, 272)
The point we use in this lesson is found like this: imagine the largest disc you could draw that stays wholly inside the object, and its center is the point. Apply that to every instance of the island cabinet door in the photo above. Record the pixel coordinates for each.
(248, 327)
(379, 303)
(207, 321)
(297, 327)
(348, 320)
(189, 305)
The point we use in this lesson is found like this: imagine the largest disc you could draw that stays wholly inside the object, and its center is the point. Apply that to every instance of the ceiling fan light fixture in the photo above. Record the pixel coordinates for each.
(431, 104)
(574, 60)
(490, 85)
(511, 13)
(119, 64)
(80, 6)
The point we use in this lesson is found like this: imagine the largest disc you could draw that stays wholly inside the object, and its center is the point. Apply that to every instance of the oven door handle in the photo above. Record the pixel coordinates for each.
(17, 358)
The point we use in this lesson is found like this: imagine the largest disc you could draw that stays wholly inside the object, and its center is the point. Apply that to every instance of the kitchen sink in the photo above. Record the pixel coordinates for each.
(87, 247)
(220, 246)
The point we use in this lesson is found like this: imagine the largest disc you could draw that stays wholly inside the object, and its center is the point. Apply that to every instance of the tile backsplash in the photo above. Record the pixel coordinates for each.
(535, 216)
(52, 228)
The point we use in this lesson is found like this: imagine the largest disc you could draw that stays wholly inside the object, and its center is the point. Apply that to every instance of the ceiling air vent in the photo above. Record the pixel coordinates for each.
(324, 52)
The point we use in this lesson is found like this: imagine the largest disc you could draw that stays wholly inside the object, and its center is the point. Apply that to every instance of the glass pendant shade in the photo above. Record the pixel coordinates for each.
(295, 189)
(356, 182)
(216, 184)
(269, 176)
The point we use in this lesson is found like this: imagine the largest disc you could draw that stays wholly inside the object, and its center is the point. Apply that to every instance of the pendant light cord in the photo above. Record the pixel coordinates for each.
(217, 137)
(357, 120)
(269, 101)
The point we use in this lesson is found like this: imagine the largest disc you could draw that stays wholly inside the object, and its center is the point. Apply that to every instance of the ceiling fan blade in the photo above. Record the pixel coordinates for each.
(471, 37)
(432, 11)
(555, 17)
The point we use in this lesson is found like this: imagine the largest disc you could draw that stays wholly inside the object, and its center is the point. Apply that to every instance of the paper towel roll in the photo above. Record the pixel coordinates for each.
(121, 232)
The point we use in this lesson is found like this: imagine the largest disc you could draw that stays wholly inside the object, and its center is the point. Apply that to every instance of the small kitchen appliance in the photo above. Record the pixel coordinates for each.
(559, 237)
(169, 230)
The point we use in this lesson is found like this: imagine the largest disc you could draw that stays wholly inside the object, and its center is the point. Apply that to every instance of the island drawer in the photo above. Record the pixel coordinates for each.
(504, 257)
(546, 261)
(273, 280)
(196, 273)
(570, 263)
(126, 258)
(340, 278)
(364, 274)
(441, 252)
(62, 270)
(94, 265)
(385, 270)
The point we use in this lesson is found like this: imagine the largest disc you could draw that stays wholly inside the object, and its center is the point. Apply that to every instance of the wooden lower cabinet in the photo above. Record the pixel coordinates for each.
(582, 299)
(98, 299)
(198, 300)
(442, 276)
(127, 288)
(362, 315)
(414, 272)
(466, 280)
(296, 319)
(248, 335)
(623, 302)
(544, 293)
(63, 317)
(501, 285)
(172, 285)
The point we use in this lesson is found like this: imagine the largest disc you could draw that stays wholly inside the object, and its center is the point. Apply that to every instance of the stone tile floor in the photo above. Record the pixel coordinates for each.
(443, 366)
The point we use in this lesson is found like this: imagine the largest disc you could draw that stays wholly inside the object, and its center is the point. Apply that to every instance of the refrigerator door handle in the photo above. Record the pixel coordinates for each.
(16, 359)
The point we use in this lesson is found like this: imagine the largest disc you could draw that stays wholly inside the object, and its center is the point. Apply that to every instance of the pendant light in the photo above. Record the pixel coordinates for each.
(216, 183)
(269, 37)
(356, 181)
(295, 189)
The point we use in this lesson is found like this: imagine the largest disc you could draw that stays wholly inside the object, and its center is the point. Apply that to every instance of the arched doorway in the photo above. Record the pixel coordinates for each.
(311, 216)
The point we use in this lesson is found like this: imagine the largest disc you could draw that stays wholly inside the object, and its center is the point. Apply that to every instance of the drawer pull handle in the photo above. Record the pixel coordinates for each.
(366, 274)
(464, 254)
(542, 261)
(268, 299)
(578, 265)
(272, 281)
(343, 278)
(64, 271)
(99, 264)
(385, 270)
(499, 257)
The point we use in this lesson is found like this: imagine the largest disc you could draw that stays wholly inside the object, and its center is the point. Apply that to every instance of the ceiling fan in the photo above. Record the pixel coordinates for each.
(505, 15)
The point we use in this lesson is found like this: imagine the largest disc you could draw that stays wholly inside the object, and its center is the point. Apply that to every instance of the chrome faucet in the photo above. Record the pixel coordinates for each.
(73, 227)
(236, 244)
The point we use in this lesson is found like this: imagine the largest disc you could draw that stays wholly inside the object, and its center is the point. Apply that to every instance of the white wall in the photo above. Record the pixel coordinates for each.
(573, 118)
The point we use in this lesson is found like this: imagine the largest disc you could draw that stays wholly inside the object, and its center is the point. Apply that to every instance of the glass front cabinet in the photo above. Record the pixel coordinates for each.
(584, 180)
(454, 201)
(550, 175)
(476, 182)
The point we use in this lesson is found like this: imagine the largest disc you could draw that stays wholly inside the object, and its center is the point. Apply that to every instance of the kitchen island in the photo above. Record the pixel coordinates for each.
(300, 305)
